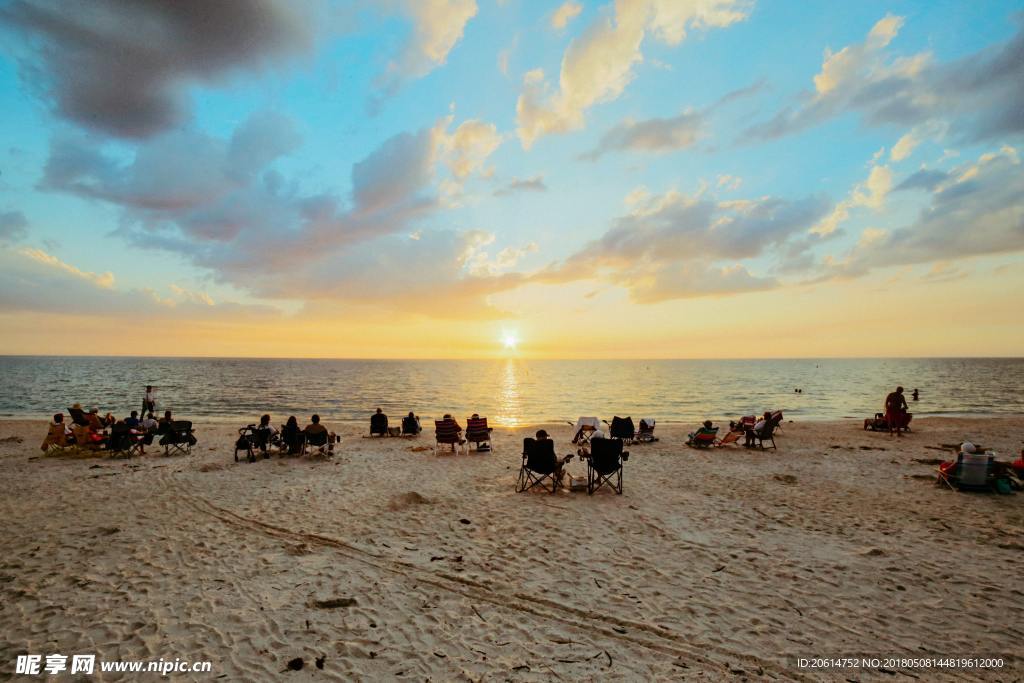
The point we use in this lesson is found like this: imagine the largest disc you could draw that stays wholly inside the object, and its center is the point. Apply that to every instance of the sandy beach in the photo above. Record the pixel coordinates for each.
(725, 564)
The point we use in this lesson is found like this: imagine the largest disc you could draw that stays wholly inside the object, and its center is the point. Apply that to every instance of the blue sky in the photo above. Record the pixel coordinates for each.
(473, 164)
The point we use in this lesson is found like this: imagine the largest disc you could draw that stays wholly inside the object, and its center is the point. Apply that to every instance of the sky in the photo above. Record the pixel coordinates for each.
(490, 178)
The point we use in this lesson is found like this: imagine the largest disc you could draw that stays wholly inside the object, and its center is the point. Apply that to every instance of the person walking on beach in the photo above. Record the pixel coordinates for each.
(895, 411)
(149, 400)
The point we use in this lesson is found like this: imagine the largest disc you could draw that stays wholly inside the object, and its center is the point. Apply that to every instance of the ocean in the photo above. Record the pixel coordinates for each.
(510, 392)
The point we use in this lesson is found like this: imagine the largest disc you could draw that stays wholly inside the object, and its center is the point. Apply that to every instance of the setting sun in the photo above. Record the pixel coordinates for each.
(510, 342)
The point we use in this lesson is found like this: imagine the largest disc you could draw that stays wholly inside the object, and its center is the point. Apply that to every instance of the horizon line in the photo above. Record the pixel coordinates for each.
(510, 357)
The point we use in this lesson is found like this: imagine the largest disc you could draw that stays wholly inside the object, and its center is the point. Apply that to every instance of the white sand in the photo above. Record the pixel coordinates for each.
(713, 565)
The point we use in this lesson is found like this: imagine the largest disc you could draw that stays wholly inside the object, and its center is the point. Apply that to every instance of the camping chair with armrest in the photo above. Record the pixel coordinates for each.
(604, 465)
(777, 419)
(178, 437)
(540, 466)
(447, 432)
(621, 428)
(123, 440)
(320, 441)
(477, 432)
(410, 426)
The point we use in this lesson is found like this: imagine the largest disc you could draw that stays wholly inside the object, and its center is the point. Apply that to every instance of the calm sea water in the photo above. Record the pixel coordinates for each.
(509, 392)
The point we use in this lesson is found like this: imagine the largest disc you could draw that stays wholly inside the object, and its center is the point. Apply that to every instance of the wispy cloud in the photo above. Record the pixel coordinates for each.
(598, 65)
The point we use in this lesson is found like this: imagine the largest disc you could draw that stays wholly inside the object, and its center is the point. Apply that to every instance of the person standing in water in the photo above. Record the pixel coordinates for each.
(915, 394)
(149, 400)
(895, 411)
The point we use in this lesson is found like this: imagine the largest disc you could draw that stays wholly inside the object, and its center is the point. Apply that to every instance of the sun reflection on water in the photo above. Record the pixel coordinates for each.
(509, 399)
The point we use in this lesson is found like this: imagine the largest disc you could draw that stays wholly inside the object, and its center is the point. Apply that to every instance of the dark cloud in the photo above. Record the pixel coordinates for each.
(980, 94)
(13, 226)
(534, 184)
(124, 68)
(222, 204)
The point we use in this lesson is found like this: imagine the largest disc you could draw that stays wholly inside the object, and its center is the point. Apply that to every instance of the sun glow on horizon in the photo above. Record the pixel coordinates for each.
(510, 342)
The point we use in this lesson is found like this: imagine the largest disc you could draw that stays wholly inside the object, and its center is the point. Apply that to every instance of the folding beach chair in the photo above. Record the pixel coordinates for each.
(645, 431)
(447, 432)
(122, 440)
(477, 432)
(319, 441)
(178, 438)
(970, 472)
(703, 439)
(57, 439)
(777, 419)
(378, 424)
(604, 465)
(410, 426)
(540, 465)
(730, 437)
(78, 416)
(766, 435)
(621, 428)
(584, 428)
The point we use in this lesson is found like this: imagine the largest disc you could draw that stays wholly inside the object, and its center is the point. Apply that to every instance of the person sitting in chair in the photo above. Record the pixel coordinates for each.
(560, 463)
(58, 434)
(267, 433)
(314, 430)
(292, 436)
(379, 423)
(411, 424)
(752, 435)
(96, 423)
(706, 430)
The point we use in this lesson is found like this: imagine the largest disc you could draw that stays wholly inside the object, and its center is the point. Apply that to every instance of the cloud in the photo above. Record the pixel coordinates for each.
(653, 135)
(438, 25)
(125, 69)
(871, 194)
(674, 246)
(101, 280)
(598, 65)
(466, 149)
(661, 135)
(224, 206)
(13, 226)
(566, 12)
(533, 184)
(978, 96)
(976, 209)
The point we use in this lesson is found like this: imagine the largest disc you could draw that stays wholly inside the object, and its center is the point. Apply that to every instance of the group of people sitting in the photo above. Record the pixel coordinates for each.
(290, 439)
(447, 431)
(379, 425)
(755, 431)
(89, 430)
